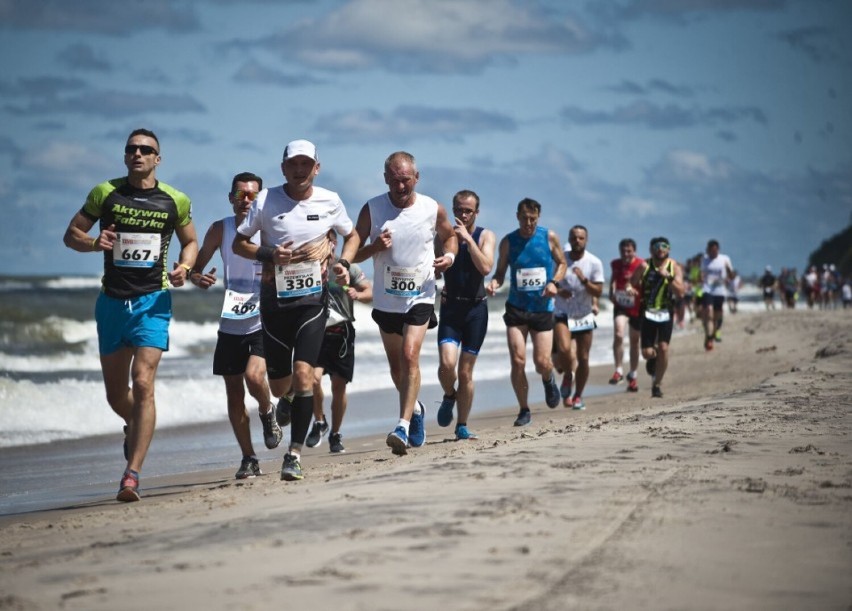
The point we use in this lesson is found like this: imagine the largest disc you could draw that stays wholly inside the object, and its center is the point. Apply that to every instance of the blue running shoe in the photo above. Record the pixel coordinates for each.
(398, 441)
(551, 392)
(463, 433)
(417, 430)
(445, 412)
(523, 418)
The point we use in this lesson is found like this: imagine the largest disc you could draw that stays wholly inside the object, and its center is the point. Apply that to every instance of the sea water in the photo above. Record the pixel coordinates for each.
(50, 379)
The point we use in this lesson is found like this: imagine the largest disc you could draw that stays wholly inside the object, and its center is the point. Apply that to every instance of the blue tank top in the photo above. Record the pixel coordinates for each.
(462, 281)
(530, 255)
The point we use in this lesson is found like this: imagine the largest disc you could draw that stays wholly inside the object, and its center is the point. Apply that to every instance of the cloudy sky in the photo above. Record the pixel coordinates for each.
(695, 119)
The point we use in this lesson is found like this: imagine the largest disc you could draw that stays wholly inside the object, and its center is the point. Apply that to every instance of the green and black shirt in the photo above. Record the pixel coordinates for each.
(145, 220)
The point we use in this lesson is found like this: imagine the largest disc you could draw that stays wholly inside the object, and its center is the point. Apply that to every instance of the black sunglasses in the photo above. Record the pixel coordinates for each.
(130, 149)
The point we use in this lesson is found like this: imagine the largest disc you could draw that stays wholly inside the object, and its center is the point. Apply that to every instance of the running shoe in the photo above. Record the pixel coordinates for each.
(126, 447)
(271, 431)
(462, 433)
(616, 378)
(708, 344)
(656, 392)
(445, 412)
(717, 337)
(577, 403)
(282, 411)
(417, 429)
(318, 431)
(565, 388)
(398, 441)
(249, 468)
(291, 468)
(551, 391)
(632, 385)
(651, 366)
(335, 443)
(128, 489)
(524, 418)
(567, 402)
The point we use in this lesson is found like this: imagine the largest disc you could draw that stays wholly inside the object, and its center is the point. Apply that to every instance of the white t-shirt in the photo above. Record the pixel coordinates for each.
(580, 302)
(715, 272)
(403, 275)
(280, 219)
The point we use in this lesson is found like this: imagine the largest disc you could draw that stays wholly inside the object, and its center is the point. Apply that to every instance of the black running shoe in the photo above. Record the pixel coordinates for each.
(318, 431)
(656, 392)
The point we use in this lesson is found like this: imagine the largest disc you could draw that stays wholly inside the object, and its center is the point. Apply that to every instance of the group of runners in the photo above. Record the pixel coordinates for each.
(288, 306)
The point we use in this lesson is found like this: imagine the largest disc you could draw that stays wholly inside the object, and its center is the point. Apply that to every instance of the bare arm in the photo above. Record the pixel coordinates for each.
(552, 288)
(77, 235)
(362, 227)
(482, 253)
(502, 265)
(677, 284)
(188, 253)
(212, 241)
(449, 241)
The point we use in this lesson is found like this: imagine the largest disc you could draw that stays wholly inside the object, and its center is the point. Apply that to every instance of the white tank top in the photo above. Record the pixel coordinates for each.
(242, 276)
(403, 274)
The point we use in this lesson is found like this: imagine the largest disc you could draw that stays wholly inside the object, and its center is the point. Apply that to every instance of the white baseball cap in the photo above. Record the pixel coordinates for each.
(300, 147)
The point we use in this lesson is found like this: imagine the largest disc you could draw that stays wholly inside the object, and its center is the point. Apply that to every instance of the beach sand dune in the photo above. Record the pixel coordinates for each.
(732, 492)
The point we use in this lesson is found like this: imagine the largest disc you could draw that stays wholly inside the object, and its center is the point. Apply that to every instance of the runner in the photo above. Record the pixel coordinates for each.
(767, 284)
(239, 348)
(538, 264)
(293, 220)
(337, 356)
(574, 313)
(463, 319)
(401, 226)
(659, 279)
(625, 312)
(137, 216)
(716, 270)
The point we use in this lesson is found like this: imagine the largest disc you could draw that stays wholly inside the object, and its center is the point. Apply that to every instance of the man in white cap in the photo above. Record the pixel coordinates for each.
(294, 220)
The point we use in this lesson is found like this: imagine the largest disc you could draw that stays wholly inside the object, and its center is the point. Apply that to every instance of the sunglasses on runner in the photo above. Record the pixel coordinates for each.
(130, 149)
(661, 246)
(249, 195)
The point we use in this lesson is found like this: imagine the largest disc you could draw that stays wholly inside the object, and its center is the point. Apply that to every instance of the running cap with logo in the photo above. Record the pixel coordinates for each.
(300, 147)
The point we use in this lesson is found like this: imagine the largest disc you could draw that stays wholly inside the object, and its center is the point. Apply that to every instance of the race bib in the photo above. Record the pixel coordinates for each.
(657, 315)
(529, 279)
(586, 323)
(624, 299)
(298, 279)
(136, 250)
(403, 281)
(240, 306)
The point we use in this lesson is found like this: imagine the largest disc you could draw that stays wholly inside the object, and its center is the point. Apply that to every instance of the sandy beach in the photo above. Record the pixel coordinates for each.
(732, 492)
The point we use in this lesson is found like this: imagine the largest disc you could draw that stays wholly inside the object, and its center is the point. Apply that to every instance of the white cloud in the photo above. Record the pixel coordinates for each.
(75, 163)
(431, 35)
(631, 207)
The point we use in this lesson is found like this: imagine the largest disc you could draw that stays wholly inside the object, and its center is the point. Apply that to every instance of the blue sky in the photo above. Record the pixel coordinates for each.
(694, 119)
